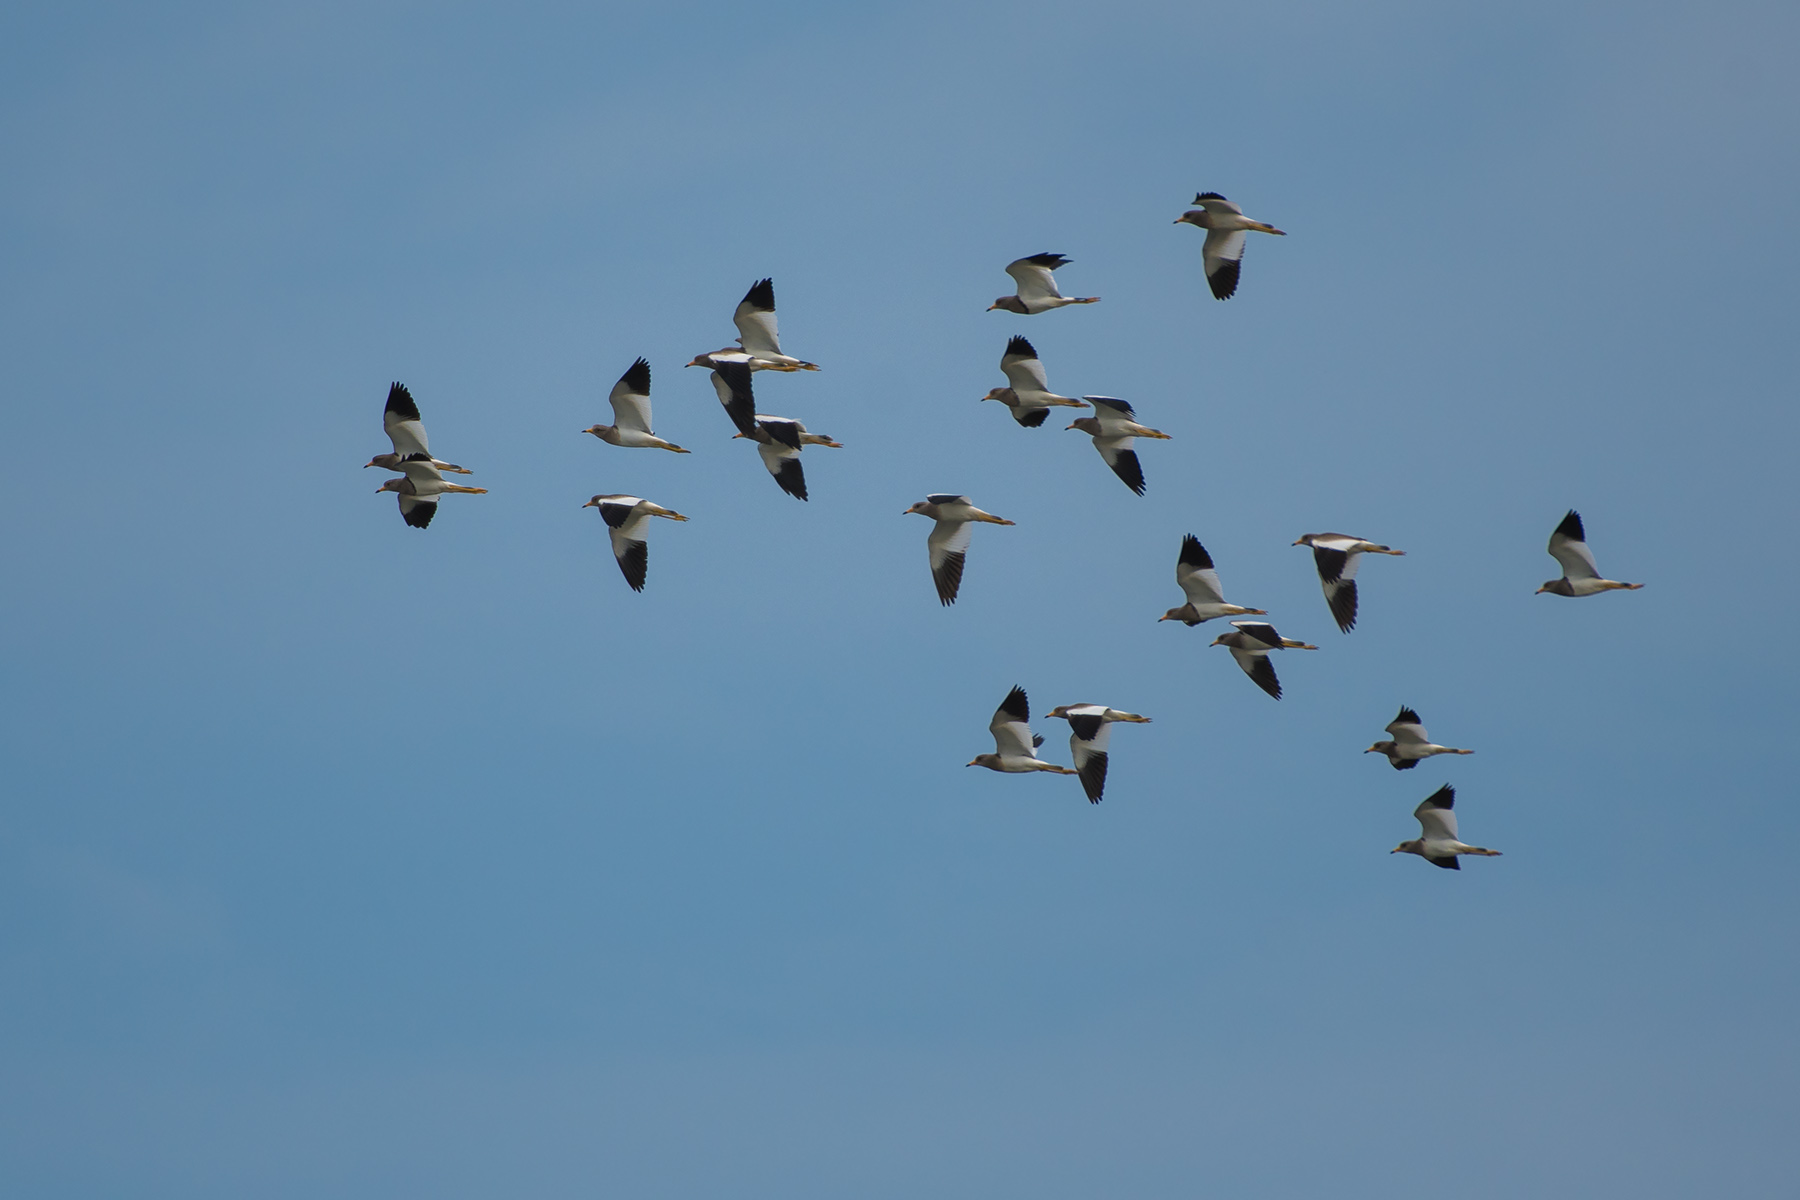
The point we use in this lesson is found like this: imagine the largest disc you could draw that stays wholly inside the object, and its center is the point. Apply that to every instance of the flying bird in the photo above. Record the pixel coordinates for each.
(755, 321)
(630, 399)
(1437, 822)
(1029, 397)
(626, 517)
(1411, 743)
(1200, 582)
(1250, 645)
(949, 541)
(1015, 747)
(1037, 286)
(1114, 430)
(400, 420)
(419, 489)
(1090, 727)
(731, 380)
(1225, 225)
(778, 440)
(1568, 546)
(1336, 555)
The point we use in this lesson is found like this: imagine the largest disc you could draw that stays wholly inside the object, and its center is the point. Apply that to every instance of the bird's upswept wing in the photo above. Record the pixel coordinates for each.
(1195, 575)
(755, 320)
(400, 420)
(1011, 727)
(1024, 371)
(1437, 816)
(1407, 730)
(1568, 546)
(630, 398)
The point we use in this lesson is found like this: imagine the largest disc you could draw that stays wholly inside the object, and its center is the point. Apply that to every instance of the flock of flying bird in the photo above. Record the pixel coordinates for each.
(1114, 430)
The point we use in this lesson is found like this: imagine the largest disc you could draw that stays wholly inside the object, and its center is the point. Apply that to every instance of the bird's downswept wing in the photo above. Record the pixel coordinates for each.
(731, 380)
(1223, 256)
(947, 548)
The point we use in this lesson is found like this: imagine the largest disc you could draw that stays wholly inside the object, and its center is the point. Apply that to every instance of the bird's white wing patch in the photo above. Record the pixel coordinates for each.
(1437, 824)
(630, 409)
(948, 537)
(408, 436)
(756, 330)
(1199, 584)
(1025, 374)
(1035, 283)
(1576, 559)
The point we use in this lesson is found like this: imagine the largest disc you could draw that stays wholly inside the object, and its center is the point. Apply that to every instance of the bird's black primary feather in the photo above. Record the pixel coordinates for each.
(400, 403)
(637, 377)
(1018, 346)
(1444, 797)
(1263, 673)
(1030, 418)
(1224, 279)
(1126, 467)
(1407, 717)
(1016, 705)
(1449, 864)
(614, 513)
(421, 513)
(1343, 605)
(948, 578)
(1209, 196)
(1570, 527)
(635, 564)
(1404, 764)
(1329, 562)
(1052, 261)
(1092, 774)
(761, 295)
(791, 479)
(1193, 554)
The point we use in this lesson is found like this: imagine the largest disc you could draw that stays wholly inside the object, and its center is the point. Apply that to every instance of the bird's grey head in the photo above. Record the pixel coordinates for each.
(1381, 748)
(923, 508)
(1412, 847)
(1011, 304)
(391, 485)
(1179, 614)
(1557, 587)
(990, 761)
(1195, 216)
(1085, 424)
(1003, 395)
(600, 431)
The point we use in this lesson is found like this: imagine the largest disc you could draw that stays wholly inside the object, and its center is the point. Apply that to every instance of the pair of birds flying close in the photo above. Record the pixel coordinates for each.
(1113, 427)
(1090, 732)
(422, 479)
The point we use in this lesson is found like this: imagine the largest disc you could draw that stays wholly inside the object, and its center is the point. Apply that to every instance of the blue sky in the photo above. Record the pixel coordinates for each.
(339, 858)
